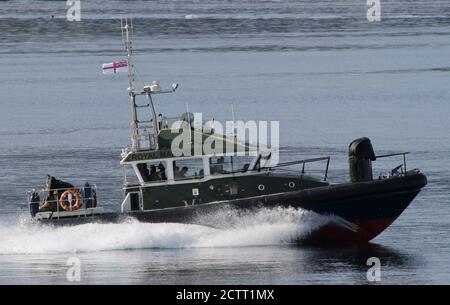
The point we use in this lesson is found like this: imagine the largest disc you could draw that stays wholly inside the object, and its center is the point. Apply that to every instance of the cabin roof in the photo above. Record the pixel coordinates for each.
(198, 141)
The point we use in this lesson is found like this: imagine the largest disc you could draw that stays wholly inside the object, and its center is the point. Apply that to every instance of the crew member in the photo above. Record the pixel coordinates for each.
(183, 172)
(86, 195)
(34, 203)
(162, 172)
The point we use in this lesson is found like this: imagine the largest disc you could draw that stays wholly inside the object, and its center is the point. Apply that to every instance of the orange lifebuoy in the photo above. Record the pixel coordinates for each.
(66, 205)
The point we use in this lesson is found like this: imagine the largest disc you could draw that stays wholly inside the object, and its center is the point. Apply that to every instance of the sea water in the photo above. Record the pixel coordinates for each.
(318, 67)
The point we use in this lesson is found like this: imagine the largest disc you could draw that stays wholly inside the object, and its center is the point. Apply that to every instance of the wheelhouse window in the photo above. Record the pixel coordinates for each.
(263, 162)
(188, 169)
(229, 164)
(220, 165)
(129, 175)
(241, 164)
(152, 171)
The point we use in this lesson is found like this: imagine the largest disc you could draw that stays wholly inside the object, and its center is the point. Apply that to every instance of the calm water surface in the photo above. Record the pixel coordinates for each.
(318, 67)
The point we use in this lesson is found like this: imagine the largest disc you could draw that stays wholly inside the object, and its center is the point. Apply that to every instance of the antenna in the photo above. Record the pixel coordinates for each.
(189, 121)
(232, 113)
(132, 30)
(121, 29)
(234, 121)
(127, 38)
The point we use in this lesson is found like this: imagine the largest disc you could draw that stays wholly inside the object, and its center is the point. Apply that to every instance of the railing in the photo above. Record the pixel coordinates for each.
(402, 166)
(303, 164)
(54, 193)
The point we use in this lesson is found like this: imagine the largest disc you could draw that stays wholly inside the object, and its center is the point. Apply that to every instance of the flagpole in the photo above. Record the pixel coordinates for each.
(134, 121)
(129, 49)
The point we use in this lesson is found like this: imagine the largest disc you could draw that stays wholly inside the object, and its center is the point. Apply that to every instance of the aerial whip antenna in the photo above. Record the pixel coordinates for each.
(121, 30)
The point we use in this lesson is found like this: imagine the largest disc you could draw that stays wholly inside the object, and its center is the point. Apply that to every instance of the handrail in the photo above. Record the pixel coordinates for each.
(392, 155)
(301, 162)
(305, 161)
(395, 154)
(279, 165)
(44, 191)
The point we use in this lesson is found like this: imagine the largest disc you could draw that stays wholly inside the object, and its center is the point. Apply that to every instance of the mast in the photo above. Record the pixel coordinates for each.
(135, 146)
(144, 133)
(127, 40)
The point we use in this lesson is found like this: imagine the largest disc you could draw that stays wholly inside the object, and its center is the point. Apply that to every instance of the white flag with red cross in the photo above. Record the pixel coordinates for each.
(115, 67)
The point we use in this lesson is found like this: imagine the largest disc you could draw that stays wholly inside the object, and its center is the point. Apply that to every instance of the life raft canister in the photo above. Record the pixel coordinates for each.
(66, 204)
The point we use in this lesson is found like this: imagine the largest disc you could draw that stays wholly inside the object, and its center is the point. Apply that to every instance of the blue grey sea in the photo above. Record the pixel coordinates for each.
(319, 67)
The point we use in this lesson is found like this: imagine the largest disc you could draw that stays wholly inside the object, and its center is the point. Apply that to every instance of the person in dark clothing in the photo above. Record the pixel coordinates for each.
(34, 203)
(143, 169)
(153, 174)
(183, 172)
(162, 172)
(86, 195)
(160, 121)
(176, 171)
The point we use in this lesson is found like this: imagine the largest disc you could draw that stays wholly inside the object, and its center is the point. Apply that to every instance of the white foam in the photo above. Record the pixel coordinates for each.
(190, 17)
(265, 227)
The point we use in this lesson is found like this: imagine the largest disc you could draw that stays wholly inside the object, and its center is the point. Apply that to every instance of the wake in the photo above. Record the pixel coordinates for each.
(232, 228)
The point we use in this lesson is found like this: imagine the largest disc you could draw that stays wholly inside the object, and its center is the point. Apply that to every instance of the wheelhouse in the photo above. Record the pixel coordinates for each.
(156, 179)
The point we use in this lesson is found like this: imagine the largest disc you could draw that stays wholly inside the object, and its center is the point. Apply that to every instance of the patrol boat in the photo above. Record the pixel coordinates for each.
(162, 186)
